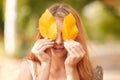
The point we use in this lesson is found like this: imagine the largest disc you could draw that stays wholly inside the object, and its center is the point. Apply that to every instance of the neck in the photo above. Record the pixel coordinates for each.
(58, 62)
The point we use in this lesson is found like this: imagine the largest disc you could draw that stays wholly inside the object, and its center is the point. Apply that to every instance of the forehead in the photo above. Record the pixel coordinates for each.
(60, 14)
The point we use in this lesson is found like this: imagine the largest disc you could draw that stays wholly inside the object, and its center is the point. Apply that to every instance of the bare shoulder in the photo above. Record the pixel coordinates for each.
(24, 73)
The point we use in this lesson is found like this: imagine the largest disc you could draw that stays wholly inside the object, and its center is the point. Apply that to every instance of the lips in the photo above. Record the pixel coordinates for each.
(58, 47)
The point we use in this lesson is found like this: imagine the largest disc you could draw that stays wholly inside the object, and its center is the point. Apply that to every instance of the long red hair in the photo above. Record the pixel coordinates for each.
(84, 67)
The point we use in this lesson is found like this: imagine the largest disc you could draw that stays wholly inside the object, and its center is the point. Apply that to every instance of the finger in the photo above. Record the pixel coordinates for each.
(38, 42)
(45, 47)
(40, 56)
(70, 50)
(74, 46)
(74, 43)
(41, 50)
(77, 46)
(45, 44)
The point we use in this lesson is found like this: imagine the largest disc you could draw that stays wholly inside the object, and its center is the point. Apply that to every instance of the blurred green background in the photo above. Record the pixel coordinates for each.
(101, 19)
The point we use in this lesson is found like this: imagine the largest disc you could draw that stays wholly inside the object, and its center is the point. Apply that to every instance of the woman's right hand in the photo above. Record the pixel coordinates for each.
(39, 50)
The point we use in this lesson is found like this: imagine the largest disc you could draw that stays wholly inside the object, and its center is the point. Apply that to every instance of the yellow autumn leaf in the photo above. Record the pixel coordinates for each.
(69, 28)
(47, 25)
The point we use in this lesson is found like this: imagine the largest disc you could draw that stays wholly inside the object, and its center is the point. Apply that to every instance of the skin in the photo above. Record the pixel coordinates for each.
(63, 58)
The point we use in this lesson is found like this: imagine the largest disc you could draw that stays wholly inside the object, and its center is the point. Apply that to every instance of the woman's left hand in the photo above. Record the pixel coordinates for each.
(75, 53)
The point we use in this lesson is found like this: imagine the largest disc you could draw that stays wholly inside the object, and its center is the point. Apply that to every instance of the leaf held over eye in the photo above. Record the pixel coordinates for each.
(69, 28)
(47, 25)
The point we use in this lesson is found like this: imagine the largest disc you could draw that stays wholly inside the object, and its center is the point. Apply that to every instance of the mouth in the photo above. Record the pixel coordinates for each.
(58, 48)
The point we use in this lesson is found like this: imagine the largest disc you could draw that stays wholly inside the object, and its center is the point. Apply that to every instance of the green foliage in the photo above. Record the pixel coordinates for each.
(1, 17)
(101, 24)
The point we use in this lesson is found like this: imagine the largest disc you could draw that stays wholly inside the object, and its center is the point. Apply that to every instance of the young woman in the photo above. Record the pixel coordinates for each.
(60, 51)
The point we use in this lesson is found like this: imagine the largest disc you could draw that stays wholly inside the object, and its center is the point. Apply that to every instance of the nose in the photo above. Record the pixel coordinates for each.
(59, 40)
